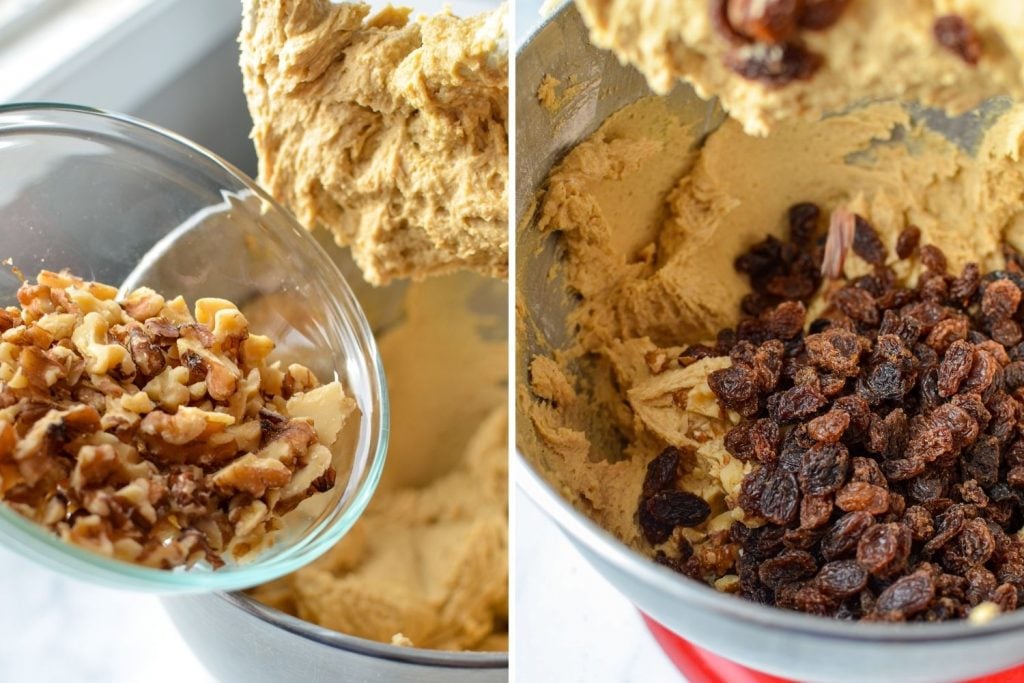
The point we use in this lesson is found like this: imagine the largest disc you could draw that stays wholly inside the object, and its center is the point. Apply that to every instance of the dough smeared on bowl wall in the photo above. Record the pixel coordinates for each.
(390, 133)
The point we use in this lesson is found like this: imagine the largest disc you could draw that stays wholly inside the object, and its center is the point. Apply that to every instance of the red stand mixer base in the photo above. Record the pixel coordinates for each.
(700, 666)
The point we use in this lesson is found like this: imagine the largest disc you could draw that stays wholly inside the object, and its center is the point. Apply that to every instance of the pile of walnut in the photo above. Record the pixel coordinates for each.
(885, 436)
(139, 432)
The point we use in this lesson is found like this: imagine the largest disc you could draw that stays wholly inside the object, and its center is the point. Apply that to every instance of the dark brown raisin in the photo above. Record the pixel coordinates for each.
(980, 584)
(933, 259)
(949, 525)
(786, 320)
(955, 367)
(973, 547)
(982, 461)
(841, 540)
(906, 597)
(678, 508)
(735, 388)
(1006, 597)
(867, 471)
(1006, 332)
(966, 285)
(661, 472)
(780, 498)
(796, 403)
(907, 241)
(824, 469)
(954, 34)
(654, 532)
(835, 350)
(884, 548)
(773, 65)
(866, 242)
(803, 223)
(841, 579)
(790, 565)
(858, 304)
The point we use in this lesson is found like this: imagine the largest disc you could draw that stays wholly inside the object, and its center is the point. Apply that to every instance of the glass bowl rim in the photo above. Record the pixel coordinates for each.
(36, 543)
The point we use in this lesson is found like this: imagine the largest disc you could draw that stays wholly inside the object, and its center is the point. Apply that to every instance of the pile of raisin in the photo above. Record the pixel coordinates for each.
(885, 436)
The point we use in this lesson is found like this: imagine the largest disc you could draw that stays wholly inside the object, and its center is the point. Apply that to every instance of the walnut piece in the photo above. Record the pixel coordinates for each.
(153, 434)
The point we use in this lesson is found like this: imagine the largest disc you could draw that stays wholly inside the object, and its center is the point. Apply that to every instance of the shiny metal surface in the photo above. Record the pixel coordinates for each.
(238, 639)
(784, 643)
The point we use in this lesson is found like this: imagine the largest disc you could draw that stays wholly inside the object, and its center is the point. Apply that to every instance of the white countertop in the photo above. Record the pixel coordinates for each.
(572, 626)
(61, 630)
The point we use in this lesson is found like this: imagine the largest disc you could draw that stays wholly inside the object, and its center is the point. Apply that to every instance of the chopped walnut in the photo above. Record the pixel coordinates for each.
(150, 434)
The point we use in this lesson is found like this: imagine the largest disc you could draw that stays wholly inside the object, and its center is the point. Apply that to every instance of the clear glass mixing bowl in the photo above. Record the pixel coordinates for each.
(124, 202)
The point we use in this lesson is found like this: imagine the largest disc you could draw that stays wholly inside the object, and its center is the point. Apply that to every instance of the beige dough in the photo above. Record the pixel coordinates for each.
(390, 133)
(427, 564)
(879, 49)
(651, 235)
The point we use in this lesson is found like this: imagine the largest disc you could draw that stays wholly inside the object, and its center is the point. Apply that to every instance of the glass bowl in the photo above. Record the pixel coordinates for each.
(121, 201)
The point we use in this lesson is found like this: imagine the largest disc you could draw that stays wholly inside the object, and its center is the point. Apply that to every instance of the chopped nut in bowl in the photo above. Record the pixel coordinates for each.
(148, 437)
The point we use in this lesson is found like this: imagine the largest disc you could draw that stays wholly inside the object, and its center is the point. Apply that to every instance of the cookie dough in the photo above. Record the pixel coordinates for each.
(657, 276)
(427, 563)
(391, 133)
(878, 49)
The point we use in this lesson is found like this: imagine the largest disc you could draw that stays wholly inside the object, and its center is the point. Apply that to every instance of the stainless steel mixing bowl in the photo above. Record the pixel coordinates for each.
(783, 643)
(240, 639)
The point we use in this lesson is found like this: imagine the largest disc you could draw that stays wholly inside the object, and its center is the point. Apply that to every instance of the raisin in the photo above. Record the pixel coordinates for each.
(719, 11)
(982, 461)
(835, 350)
(735, 388)
(678, 508)
(866, 242)
(841, 579)
(973, 547)
(888, 436)
(815, 511)
(803, 223)
(841, 540)
(906, 328)
(829, 428)
(767, 364)
(955, 367)
(786, 320)
(953, 33)
(946, 332)
(654, 531)
(980, 584)
(860, 496)
(1013, 376)
(818, 15)
(661, 472)
(906, 597)
(907, 241)
(949, 525)
(796, 403)
(773, 65)
(982, 374)
(781, 498)
(867, 471)
(920, 523)
(933, 259)
(857, 304)
(1000, 300)
(1005, 597)
(884, 548)
(824, 469)
(971, 492)
(790, 565)
(1006, 332)
(966, 285)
